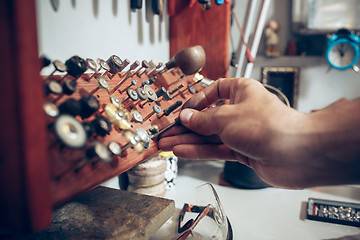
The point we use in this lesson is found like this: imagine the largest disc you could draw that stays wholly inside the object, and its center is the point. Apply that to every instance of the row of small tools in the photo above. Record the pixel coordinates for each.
(75, 134)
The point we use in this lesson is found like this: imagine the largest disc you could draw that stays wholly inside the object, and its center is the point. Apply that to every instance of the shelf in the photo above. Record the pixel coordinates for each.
(290, 60)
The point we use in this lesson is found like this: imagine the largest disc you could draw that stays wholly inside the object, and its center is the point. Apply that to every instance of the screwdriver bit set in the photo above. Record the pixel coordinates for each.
(102, 115)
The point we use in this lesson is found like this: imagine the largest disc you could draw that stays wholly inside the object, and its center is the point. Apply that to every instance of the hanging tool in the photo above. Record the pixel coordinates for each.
(205, 4)
(158, 6)
(136, 4)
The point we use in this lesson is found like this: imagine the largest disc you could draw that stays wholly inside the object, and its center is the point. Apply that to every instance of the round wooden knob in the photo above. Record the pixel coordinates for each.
(190, 60)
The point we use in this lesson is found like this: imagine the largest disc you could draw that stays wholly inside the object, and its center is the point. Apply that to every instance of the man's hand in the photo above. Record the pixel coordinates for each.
(256, 129)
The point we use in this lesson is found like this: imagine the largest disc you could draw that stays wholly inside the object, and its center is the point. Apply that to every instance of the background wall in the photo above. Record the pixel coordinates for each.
(98, 29)
(94, 29)
(318, 85)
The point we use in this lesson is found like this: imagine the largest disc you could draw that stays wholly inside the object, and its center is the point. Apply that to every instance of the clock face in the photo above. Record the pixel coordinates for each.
(341, 55)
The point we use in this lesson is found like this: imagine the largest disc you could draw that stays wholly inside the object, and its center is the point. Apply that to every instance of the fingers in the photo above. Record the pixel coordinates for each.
(192, 146)
(175, 130)
(168, 143)
(213, 120)
(220, 89)
(207, 152)
(208, 122)
(203, 152)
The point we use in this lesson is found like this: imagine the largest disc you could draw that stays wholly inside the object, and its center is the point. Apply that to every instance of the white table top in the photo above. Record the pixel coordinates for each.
(268, 213)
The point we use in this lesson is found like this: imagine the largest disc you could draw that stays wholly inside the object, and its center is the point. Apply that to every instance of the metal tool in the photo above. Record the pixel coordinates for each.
(177, 122)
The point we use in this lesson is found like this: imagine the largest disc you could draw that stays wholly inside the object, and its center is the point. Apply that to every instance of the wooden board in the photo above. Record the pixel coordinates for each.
(104, 213)
(30, 155)
(25, 203)
(63, 159)
(191, 26)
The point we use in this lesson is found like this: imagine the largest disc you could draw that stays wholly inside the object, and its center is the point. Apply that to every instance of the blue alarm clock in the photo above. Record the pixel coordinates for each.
(343, 49)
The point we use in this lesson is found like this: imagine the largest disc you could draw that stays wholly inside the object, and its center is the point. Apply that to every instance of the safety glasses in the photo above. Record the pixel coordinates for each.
(204, 221)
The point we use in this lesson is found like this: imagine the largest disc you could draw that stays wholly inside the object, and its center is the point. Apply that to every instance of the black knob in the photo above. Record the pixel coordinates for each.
(89, 105)
(91, 152)
(71, 107)
(101, 125)
(160, 92)
(100, 151)
(152, 80)
(69, 86)
(177, 88)
(167, 96)
(114, 63)
(45, 61)
(89, 129)
(172, 108)
(136, 4)
(76, 66)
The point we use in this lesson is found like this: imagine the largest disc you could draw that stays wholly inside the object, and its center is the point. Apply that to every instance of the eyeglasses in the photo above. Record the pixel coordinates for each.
(210, 221)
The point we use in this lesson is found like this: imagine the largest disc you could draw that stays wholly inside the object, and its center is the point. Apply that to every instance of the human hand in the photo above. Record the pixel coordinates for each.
(251, 129)
(256, 129)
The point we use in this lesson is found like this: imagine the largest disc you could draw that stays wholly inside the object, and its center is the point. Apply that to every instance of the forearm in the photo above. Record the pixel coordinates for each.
(330, 140)
(286, 148)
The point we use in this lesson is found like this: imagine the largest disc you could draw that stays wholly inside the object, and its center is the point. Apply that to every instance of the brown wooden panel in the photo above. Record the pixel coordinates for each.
(62, 160)
(30, 155)
(210, 29)
(24, 172)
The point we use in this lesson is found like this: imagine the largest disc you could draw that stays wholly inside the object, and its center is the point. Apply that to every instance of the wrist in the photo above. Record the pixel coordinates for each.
(291, 138)
(324, 145)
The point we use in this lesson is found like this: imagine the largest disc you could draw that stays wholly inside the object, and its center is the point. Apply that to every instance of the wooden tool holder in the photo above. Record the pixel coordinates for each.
(63, 159)
(28, 189)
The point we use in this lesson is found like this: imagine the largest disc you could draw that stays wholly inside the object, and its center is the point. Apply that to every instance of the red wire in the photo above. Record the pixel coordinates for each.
(248, 53)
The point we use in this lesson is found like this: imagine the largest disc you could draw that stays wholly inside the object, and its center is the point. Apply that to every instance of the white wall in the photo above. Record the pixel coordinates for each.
(318, 85)
(98, 29)
(101, 28)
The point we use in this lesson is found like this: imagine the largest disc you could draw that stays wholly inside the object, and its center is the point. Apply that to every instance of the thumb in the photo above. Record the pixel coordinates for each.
(203, 123)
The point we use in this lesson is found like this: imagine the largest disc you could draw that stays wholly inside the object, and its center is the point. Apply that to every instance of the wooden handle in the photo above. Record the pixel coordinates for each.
(190, 60)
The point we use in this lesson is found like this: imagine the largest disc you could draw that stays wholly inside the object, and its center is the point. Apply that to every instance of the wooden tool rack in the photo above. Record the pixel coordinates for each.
(29, 159)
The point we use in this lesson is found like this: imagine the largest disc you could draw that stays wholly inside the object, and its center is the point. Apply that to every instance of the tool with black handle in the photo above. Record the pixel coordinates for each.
(136, 4)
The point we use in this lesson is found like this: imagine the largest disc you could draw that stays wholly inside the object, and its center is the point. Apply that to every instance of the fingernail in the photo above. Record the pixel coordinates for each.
(185, 116)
